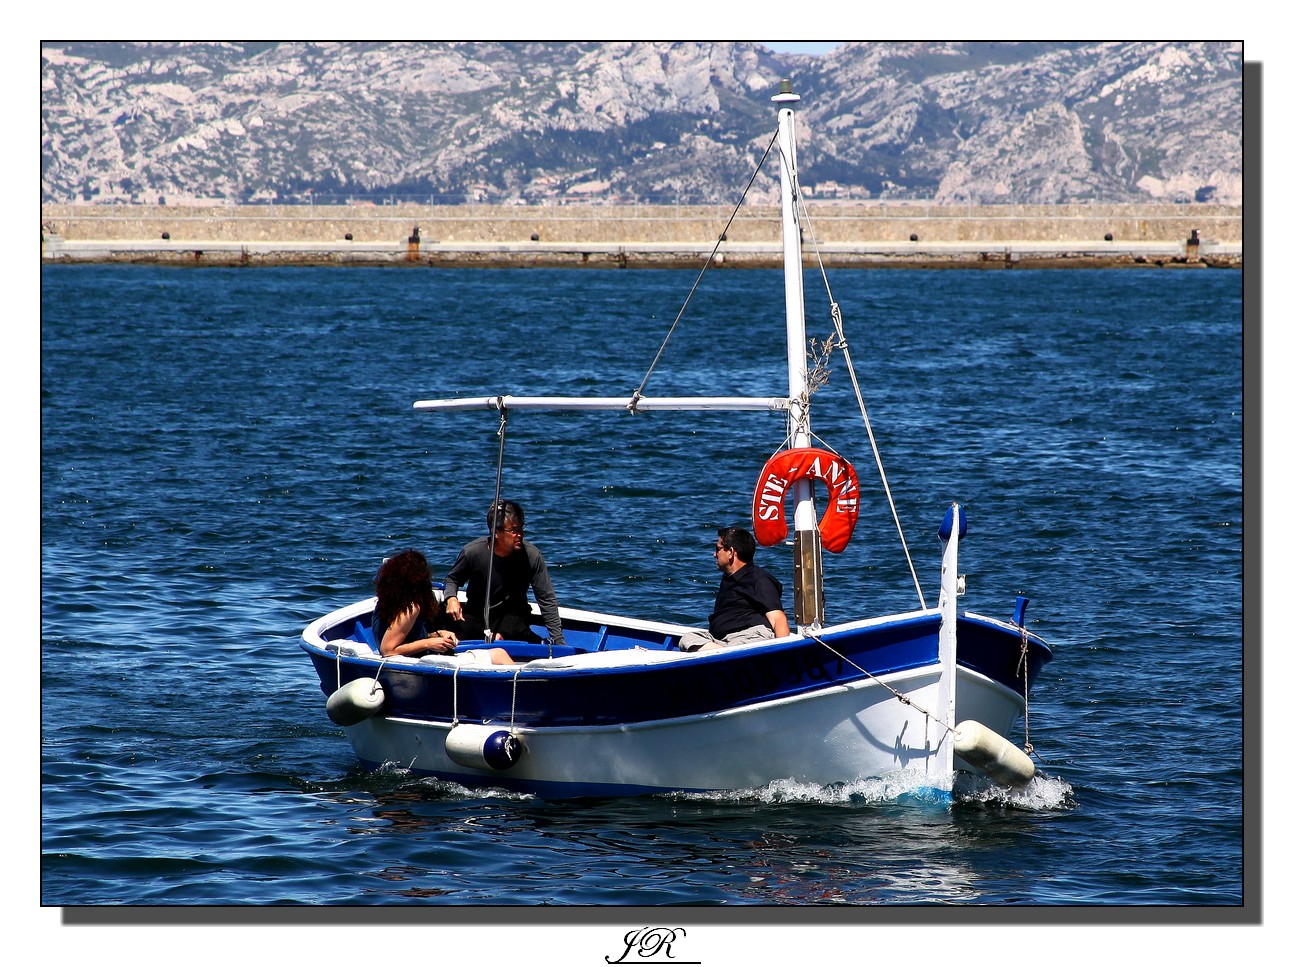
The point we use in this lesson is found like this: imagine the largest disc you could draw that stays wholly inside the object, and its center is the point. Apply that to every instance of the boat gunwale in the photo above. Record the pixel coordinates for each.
(574, 663)
(537, 668)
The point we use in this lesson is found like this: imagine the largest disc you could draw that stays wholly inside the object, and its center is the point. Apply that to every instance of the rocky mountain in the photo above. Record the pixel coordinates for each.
(686, 122)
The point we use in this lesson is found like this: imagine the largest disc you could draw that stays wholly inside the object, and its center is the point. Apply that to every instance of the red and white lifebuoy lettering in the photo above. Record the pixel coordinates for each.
(776, 480)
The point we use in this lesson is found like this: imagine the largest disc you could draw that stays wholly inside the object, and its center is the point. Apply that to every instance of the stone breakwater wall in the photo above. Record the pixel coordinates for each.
(861, 234)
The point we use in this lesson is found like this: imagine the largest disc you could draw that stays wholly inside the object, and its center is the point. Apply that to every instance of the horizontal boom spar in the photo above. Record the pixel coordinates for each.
(633, 404)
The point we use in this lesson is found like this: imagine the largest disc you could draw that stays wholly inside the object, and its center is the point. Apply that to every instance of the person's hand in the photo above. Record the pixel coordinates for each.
(444, 642)
(454, 608)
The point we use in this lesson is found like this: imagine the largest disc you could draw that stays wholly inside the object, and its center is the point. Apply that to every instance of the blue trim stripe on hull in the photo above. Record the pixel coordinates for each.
(626, 695)
(609, 695)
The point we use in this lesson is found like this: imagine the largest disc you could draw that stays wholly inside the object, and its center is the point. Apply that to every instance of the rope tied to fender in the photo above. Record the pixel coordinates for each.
(1023, 669)
(456, 669)
(339, 670)
(511, 722)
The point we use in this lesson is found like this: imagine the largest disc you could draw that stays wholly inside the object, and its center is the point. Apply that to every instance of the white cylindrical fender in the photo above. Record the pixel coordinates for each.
(351, 703)
(483, 747)
(995, 755)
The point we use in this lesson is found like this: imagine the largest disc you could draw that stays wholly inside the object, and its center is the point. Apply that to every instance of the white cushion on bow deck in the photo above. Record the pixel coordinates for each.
(603, 659)
(358, 649)
(474, 656)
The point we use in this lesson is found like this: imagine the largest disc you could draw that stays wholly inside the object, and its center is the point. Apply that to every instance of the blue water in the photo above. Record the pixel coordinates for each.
(227, 454)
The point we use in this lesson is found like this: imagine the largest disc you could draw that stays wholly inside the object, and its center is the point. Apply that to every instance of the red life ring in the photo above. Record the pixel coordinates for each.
(776, 479)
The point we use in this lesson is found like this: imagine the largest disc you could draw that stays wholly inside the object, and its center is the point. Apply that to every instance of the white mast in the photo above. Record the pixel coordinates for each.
(807, 588)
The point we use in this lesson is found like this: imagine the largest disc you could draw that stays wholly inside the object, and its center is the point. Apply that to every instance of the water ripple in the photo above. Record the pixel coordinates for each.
(227, 454)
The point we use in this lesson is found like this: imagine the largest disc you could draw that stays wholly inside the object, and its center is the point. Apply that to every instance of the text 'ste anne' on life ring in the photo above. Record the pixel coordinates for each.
(777, 478)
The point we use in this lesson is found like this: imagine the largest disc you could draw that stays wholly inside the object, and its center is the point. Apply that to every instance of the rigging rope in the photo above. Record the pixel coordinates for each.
(898, 695)
(638, 393)
(839, 334)
(841, 343)
(493, 516)
(835, 312)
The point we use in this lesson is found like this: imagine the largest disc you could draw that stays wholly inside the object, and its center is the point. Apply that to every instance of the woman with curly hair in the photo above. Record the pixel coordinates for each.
(408, 620)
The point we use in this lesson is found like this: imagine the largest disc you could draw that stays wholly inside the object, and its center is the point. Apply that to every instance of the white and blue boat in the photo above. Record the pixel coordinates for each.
(620, 710)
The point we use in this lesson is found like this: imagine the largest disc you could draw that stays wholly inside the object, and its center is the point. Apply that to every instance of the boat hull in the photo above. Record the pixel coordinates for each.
(835, 736)
(635, 716)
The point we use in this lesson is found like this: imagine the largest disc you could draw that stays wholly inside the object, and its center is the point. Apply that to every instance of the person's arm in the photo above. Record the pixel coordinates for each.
(452, 604)
(770, 604)
(546, 598)
(460, 572)
(779, 622)
(394, 644)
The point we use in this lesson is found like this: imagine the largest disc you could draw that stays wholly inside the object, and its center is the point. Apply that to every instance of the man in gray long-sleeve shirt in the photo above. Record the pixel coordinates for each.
(515, 566)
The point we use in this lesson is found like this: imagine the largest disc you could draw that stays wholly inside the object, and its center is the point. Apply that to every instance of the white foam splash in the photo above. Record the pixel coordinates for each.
(1042, 793)
(907, 783)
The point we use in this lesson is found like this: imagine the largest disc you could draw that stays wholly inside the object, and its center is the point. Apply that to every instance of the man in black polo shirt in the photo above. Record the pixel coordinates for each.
(749, 604)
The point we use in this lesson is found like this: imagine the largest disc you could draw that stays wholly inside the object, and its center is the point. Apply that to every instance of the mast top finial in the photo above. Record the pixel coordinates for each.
(785, 95)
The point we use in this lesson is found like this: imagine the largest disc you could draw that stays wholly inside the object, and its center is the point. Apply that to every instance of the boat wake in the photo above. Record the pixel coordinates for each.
(1043, 793)
(392, 778)
(907, 787)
